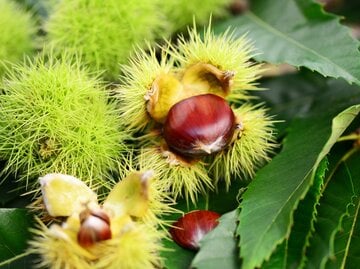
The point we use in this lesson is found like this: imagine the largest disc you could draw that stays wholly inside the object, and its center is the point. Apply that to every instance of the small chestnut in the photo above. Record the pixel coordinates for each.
(191, 228)
(199, 125)
(95, 227)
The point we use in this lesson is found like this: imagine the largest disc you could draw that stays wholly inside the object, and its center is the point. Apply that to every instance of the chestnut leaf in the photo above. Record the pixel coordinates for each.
(336, 242)
(268, 205)
(14, 232)
(290, 253)
(300, 33)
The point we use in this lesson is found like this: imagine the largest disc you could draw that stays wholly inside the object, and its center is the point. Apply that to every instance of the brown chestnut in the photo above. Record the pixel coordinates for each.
(191, 228)
(199, 125)
(95, 227)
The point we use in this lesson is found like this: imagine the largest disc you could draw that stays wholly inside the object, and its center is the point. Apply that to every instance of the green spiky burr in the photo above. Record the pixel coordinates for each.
(17, 36)
(182, 13)
(104, 32)
(56, 116)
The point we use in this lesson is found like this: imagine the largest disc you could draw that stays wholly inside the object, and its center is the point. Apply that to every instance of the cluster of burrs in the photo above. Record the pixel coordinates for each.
(182, 110)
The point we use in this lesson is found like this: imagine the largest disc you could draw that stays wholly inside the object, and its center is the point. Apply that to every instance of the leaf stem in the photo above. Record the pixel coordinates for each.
(14, 258)
(349, 137)
(346, 156)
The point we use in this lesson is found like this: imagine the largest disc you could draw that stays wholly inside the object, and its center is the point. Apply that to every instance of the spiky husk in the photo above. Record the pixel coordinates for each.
(225, 52)
(159, 201)
(137, 79)
(57, 117)
(137, 247)
(200, 64)
(180, 179)
(250, 149)
(181, 13)
(160, 205)
(104, 32)
(17, 36)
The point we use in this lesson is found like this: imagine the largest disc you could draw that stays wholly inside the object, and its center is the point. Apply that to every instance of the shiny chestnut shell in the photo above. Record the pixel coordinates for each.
(188, 230)
(95, 227)
(199, 125)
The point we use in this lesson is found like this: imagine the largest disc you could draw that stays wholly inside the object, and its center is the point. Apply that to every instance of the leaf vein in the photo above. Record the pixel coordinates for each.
(280, 210)
(347, 248)
(275, 31)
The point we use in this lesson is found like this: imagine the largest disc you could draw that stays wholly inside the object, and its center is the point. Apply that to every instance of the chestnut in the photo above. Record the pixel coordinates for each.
(191, 228)
(95, 227)
(199, 125)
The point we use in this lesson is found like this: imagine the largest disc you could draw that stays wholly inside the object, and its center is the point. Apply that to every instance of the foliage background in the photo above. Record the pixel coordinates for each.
(302, 209)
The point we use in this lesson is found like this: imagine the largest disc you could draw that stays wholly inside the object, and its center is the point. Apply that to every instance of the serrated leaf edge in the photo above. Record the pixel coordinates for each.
(321, 170)
(273, 30)
(314, 215)
(287, 234)
(337, 128)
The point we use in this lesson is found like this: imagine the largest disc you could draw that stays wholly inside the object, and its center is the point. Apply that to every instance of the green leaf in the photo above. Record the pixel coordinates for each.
(336, 243)
(268, 204)
(347, 240)
(299, 33)
(14, 233)
(218, 249)
(304, 219)
(289, 254)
